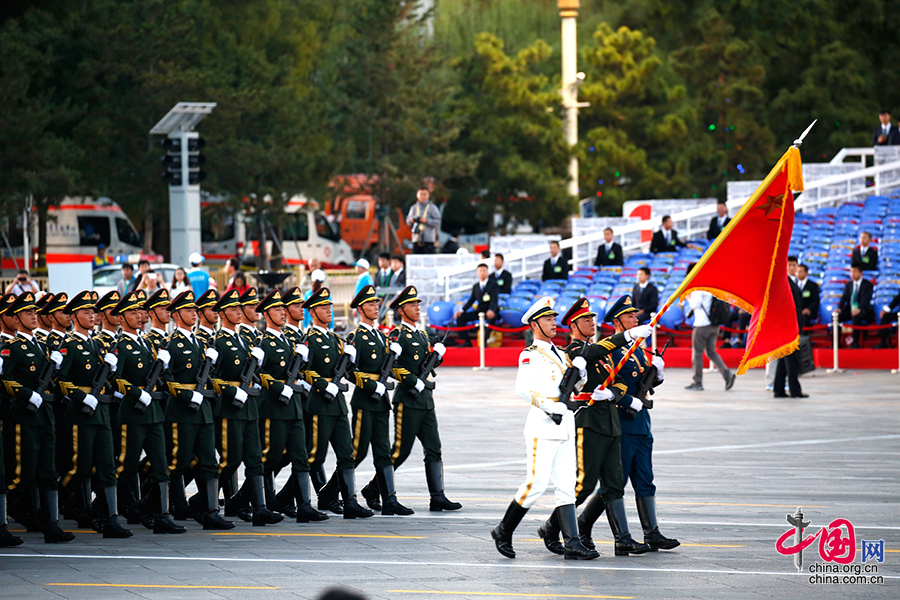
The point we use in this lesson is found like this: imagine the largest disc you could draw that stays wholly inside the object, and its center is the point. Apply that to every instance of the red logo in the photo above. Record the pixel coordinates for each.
(834, 545)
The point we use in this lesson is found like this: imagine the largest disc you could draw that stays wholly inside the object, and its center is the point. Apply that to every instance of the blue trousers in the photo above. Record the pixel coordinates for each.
(637, 463)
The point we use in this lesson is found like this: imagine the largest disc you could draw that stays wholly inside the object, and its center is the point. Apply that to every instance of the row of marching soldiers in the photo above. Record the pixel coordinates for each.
(102, 414)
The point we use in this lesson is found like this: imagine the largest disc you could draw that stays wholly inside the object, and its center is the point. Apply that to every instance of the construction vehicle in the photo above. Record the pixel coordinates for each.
(367, 225)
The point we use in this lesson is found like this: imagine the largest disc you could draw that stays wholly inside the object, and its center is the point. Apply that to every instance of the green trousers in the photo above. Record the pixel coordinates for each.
(325, 429)
(599, 458)
(411, 424)
(283, 439)
(149, 438)
(34, 458)
(372, 428)
(92, 450)
(189, 440)
(238, 442)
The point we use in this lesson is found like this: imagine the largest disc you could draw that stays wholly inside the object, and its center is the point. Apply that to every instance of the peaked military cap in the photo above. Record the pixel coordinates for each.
(541, 308)
(143, 297)
(367, 294)
(292, 296)
(230, 298)
(95, 297)
(130, 301)
(80, 300)
(24, 301)
(320, 298)
(5, 302)
(272, 300)
(407, 295)
(250, 297)
(159, 298)
(55, 302)
(42, 301)
(183, 300)
(622, 306)
(207, 298)
(580, 308)
(109, 300)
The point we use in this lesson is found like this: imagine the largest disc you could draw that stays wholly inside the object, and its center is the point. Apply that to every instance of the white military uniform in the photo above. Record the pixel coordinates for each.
(550, 447)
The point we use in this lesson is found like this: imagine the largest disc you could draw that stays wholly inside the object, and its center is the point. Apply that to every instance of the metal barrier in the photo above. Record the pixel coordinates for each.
(897, 370)
(836, 341)
(481, 343)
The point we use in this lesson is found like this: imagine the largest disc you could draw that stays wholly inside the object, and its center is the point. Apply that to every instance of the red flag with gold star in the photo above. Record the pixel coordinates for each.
(746, 265)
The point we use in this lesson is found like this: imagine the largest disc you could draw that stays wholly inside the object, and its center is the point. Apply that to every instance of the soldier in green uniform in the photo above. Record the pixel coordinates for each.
(190, 414)
(8, 540)
(44, 323)
(141, 419)
(597, 431)
(157, 307)
(281, 411)
(327, 407)
(250, 317)
(109, 322)
(88, 416)
(31, 412)
(207, 318)
(20, 508)
(414, 415)
(238, 411)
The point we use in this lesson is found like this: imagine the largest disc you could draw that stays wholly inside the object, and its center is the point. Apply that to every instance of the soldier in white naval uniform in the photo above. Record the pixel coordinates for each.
(549, 434)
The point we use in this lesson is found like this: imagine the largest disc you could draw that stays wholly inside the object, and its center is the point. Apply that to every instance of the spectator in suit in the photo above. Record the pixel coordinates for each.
(864, 254)
(885, 134)
(645, 296)
(555, 267)
(666, 239)
(399, 277)
(452, 244)
(809, 297)
(501, 276)
(718, 223)
(485, 254)
(789, 366)
(484, 295)
(609, 254)
(888, 315)
(792, 268)
(384, 275)
(856, 302)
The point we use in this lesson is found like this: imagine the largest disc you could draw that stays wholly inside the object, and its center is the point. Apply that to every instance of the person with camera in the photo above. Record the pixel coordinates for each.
(424, 219)
(21, 284)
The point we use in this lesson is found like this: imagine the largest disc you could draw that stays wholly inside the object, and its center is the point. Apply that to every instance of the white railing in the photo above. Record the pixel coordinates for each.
(861, 153)
(529, 262)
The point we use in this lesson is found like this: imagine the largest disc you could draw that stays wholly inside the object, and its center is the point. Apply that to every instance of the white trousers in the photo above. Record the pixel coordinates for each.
(549, 461)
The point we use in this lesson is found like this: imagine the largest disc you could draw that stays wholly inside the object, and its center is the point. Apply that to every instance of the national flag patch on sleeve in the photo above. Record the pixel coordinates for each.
(62, 351)
(526, 361)
(4, 353)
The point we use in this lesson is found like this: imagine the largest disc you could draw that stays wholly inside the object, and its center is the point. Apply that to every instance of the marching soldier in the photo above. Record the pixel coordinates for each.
(59, 322)
(549, 434)
(44, 325)
(328, 410)
(238, 411)
(7, 321)
(281, 411)
(413, 400)
(207, 318)
(141, 418)
(597, 432)
(108, 334)
(371, 404)
(637, 440)
(250, 317)
(157, 308)
(31, 412)
(88, 415)
(189, 413)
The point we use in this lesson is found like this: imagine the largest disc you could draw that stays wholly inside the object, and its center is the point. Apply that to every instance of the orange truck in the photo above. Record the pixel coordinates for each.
(366, 225)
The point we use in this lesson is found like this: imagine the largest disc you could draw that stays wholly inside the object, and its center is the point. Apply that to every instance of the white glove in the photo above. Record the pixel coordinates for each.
(258, 354)
(91, 401)
(145, 398)
(164, 356)
(379, 389)
(287, 392)
(36, 399)
(196, 398)
(641, 331)
(111, 359)
(579, 363)
(332, 389)
(637, 405)
(118, 395)
(420, 385)
(350, 351)
(302, 350)
(396, 348)
(305, 385)
(240, 395)
(255, 386)
(558, 408)
(602, 395)
(212, 354)
(660, 365)
(56, 357)
(1, 365)
(440, 349)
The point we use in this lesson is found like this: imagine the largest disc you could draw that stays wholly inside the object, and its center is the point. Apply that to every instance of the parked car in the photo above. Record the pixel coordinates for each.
(107, 278)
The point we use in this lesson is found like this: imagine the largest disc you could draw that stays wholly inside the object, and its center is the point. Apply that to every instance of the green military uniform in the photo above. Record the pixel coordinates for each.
(107, 340)
(414, 415)
(7, 443)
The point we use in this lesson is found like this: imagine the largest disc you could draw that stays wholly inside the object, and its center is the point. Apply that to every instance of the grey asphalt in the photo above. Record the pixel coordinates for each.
(729, 467)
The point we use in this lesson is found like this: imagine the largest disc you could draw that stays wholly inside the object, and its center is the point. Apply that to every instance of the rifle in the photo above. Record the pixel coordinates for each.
(297, 365)
(645, 387)
(202, 380)
(43, 383)
(570, 379)
(340, 370)
(431, 363)
(387, 368)
(150, 387)
(248, 373)
(97, 386)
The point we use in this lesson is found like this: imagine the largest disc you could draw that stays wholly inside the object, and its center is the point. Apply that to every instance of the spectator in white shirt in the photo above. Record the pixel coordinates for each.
(703, 339)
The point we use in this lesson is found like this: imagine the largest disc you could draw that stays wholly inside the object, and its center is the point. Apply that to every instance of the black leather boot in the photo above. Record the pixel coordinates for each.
(262, 516)
(372, 494)
(549, 532)
(618, 523)
(274, 501)
(83, 514)
(129, 499)
(591, 511)
(178, 505)
(26, 512)
(352, 508)
(111, 527)
(212, 519)
(7, 540)
(568, 524)
(329, 495)
(285, 497)
(652, 537)
(49, 502)
(305, 511)
(503, 532)
(231, 494)
(162, 522)
(386, 482)
(434, 475)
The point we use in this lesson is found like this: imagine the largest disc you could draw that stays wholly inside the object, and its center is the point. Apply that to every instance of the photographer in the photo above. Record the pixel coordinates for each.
(424, 219)
(21, 284)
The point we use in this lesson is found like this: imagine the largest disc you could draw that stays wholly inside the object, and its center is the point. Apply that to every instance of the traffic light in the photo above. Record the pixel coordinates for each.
(183, 159)
(172, 161)
(195, 160)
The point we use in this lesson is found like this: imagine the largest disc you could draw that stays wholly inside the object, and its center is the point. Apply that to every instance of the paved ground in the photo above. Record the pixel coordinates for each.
(729, 466)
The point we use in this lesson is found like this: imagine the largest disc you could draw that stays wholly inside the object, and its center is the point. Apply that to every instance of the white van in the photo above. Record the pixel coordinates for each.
(308, 233)
(74, 230)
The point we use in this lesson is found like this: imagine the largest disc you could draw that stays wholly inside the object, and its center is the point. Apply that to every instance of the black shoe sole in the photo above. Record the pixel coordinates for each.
(511, 554)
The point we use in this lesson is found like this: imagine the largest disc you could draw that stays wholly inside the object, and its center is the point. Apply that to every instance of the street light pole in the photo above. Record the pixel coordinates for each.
(571, 79)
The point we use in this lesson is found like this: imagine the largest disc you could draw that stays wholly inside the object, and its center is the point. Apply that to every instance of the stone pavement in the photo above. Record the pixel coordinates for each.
(729, 467)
